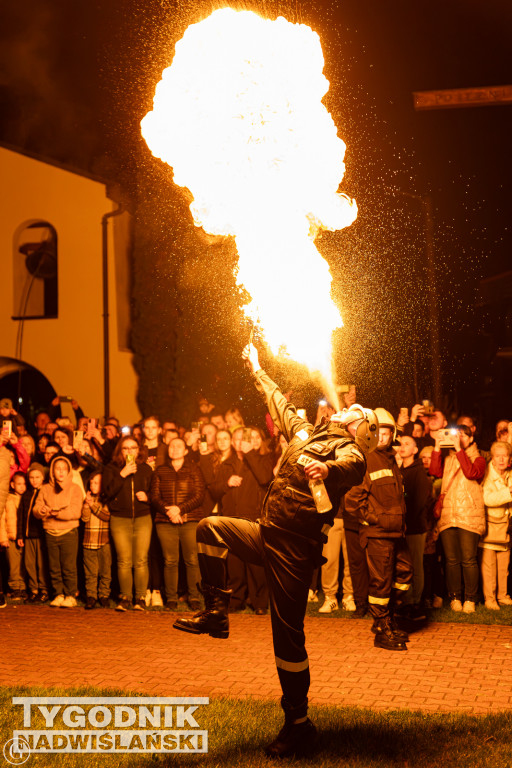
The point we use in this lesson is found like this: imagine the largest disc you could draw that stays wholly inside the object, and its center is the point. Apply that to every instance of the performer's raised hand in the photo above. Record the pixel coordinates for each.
(250, 356)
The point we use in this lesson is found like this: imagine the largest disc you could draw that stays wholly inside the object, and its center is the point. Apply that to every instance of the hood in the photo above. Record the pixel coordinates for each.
(69, 478)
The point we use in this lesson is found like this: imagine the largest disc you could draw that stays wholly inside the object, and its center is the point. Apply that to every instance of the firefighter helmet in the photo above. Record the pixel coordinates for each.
(365, 422)
(386, 420)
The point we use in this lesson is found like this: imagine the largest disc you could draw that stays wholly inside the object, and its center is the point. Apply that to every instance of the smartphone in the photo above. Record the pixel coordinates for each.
(203, 439)
(65, 398)
(404, 412)
(78, 437)
(126, 430)
(130, 458)
(6, 429)
(196, 425)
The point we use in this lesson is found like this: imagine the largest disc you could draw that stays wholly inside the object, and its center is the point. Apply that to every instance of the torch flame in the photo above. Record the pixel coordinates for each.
(239, 117)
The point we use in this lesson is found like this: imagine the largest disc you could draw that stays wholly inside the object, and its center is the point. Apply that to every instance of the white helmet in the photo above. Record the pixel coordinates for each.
(366, 423)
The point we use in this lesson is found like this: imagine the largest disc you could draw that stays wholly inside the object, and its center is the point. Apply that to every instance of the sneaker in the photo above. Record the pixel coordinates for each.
(57, 601)
(140, 604)
(312, 596)
(104, 602)
(90, 603)
(68, 602)
(456, 606)
(3, 602)
(348, 603)
(124, 604)
(468, 607)
(156, 599)
(492, 605)
(33, 597)
(507, 600)
(43, 597)
(330, 605)
(437, 602)
(17, 597)
(147, 599)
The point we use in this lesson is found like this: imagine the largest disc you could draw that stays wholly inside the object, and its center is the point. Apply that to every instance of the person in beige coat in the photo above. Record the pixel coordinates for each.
(59, 505)
(462, 520)
(5, 465)
(495, 543)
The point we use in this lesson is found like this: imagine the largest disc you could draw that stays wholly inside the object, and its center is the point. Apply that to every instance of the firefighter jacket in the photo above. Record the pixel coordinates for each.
(379, 499)
(289, 504)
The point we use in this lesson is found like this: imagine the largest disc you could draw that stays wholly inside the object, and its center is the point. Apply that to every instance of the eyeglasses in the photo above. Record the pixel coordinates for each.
(129, 447)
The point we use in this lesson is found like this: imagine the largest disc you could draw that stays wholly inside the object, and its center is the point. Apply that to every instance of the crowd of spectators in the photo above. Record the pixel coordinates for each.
(100, 515)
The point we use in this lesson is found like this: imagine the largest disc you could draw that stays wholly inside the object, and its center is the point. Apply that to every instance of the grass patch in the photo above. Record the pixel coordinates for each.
(482, 615)
(350, 737)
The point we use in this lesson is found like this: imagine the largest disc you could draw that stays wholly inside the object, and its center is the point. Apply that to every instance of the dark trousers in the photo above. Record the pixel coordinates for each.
(288, 564)
(246, 581)
(62, 555)
(460, 549)
(358, 567)
(390, 571)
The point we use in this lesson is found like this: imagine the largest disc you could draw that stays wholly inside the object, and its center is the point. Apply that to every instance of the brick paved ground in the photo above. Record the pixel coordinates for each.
(447, 667)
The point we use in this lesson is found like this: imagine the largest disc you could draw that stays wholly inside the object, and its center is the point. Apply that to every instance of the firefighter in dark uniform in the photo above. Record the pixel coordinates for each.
(379, 503)
(287, 541)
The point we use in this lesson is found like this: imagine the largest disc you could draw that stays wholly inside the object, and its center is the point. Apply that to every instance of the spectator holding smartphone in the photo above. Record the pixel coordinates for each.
(126, 483)
(462, 518)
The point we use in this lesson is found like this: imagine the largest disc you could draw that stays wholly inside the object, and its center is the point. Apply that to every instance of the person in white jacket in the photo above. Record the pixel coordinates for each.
(495, 542)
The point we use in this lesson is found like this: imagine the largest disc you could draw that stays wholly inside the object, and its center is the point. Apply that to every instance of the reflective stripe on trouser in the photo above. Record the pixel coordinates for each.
(390, 568)
(288, 564)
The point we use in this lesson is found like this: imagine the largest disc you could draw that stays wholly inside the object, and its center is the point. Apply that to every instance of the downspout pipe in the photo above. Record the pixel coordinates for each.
(106, 324)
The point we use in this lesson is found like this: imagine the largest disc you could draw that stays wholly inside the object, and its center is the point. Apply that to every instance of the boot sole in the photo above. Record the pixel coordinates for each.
(221, 634)
(404, 639)
(376, 644)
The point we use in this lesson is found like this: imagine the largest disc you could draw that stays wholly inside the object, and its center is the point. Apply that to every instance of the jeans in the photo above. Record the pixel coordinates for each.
(62, 554)
(460, 548)
(98, 565)
(131, 537)
(171, 536)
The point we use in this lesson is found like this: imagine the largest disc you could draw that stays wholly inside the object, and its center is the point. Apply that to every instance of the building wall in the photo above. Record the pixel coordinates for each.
(68, 350)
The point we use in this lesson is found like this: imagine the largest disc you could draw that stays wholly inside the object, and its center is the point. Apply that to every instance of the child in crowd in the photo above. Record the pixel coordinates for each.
(30, 536)
(15, 552)
(59, 506)
(96, 545)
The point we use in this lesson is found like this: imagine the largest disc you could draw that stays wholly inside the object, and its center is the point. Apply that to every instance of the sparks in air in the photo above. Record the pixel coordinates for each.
(239, 117)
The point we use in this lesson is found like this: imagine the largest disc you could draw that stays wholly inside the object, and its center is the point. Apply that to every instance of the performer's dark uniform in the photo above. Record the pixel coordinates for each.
(290, 534)
(380, 507)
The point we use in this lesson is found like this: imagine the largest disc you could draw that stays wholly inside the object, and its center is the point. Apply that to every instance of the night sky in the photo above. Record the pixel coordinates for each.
(76, 77)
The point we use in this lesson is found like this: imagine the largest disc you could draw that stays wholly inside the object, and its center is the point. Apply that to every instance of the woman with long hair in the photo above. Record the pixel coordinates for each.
(126, 484)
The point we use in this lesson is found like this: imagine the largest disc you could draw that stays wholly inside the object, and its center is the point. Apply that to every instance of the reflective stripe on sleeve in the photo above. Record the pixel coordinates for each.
(403, 587)
(378, 600)
(292, 666)
(381, 473)
(211, 550)
(326, 528)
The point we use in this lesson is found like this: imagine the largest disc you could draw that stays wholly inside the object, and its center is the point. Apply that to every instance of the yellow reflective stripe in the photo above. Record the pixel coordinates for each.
(381, 473)
(211, 550)
(378, 600)
(292, 666)
(403, 587)
(326, 528)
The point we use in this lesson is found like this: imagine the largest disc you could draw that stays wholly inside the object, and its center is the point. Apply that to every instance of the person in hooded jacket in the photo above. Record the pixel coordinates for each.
(126, 483)
(59, 506)
(380, 506)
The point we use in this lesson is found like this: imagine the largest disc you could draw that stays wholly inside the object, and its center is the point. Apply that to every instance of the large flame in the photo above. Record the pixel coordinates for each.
(239, 117)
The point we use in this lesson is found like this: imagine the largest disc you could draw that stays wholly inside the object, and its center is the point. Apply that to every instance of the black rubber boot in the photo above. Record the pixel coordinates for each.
(294, 739)
(401, 634)
(214, 619)
(386, 638)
